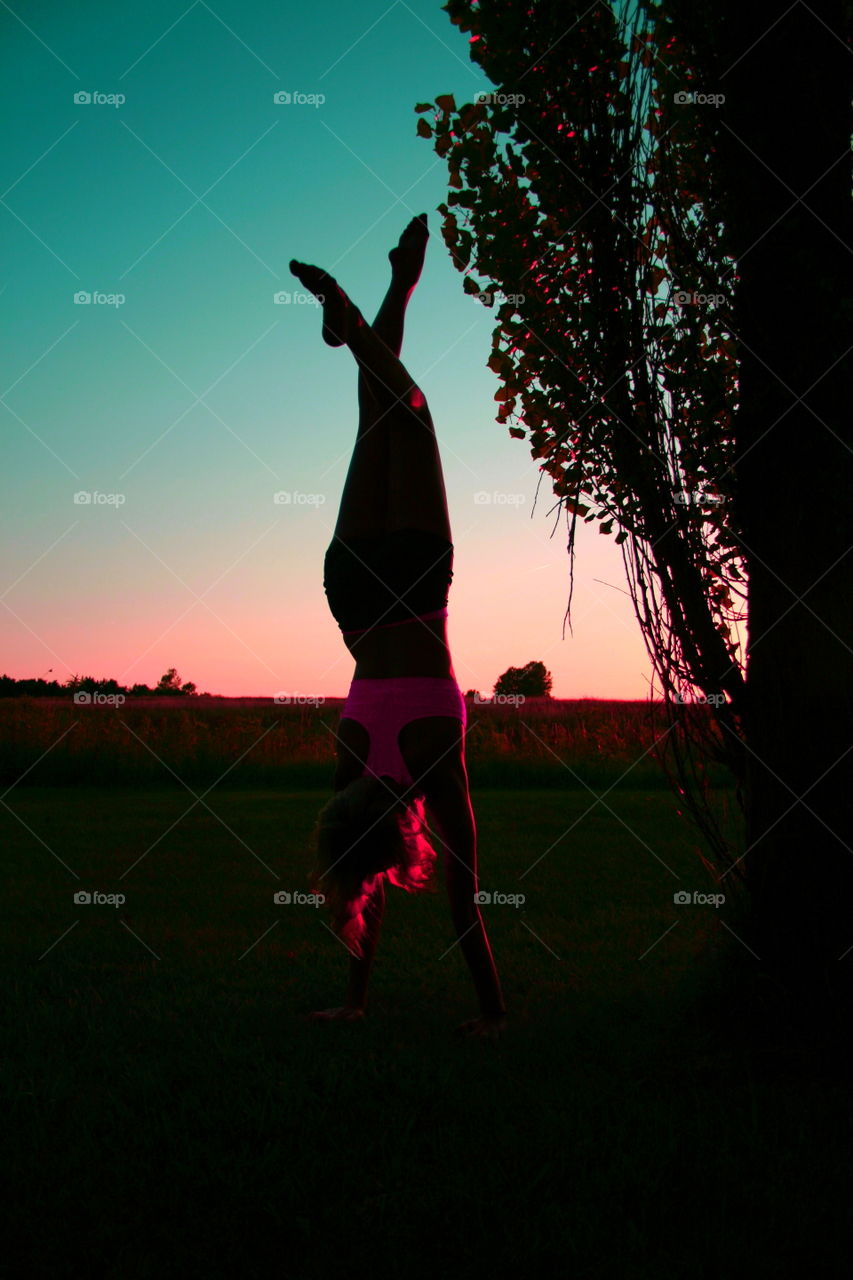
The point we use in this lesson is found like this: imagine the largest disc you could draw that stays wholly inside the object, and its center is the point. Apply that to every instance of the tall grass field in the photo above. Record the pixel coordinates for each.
(542, 742)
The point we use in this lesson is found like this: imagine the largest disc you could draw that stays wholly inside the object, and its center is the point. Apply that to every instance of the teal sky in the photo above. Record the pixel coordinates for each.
(199, 397)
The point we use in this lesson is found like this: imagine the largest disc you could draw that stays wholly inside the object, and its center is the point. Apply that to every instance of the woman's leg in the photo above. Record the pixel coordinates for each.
(415, 493)
(449, 801)
(416, 496)
(363, 507)
(407, 261)
(414, 483)
(363, 510)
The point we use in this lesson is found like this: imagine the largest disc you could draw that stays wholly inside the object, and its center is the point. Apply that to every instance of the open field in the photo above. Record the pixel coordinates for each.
(172, 1113)
(152, 742)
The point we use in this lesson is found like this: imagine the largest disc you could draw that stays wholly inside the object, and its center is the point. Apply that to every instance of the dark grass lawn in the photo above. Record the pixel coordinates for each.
(171, 1113)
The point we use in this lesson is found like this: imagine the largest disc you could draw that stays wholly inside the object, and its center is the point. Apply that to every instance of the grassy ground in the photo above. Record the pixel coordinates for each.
(173, 1114)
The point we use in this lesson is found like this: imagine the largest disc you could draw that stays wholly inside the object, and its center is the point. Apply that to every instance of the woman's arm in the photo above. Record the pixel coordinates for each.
(449, 802)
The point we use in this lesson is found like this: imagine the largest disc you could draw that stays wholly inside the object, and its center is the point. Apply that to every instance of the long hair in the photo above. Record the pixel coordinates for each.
(372, 828)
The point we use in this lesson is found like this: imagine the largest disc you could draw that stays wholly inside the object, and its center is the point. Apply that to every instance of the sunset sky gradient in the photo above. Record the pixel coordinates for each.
(199, 397)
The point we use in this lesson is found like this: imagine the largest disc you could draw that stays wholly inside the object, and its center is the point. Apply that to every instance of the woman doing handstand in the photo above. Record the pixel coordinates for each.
(401, 738)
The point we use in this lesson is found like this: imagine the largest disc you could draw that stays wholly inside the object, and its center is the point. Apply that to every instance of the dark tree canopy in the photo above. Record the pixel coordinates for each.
(169, 684)
(655, 200)
(585, 207)
(532, 680)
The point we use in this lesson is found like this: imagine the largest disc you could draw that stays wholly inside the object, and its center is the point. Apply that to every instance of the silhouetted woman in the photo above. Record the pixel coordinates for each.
(401, 739)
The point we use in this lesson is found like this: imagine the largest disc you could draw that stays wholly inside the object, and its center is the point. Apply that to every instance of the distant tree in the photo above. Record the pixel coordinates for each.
(169, 682)
(472, 693)
(82, 684)
(533, 681)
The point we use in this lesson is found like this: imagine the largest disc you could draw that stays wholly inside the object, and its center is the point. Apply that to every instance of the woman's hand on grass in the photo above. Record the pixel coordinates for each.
(346, 1013)
(488, 1026)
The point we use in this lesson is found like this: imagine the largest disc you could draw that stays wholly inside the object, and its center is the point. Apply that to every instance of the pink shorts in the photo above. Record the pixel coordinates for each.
(384, 706)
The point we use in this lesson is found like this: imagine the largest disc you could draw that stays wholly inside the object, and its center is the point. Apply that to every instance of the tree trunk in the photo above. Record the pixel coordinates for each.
(786, 125)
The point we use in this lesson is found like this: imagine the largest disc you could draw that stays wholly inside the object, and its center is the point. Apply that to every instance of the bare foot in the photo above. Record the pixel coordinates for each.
(489, 1026)
(346, 1013)
(336, 305)
(407, 259)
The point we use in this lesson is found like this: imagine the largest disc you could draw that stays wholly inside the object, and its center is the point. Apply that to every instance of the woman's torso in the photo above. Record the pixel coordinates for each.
(416, 648)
